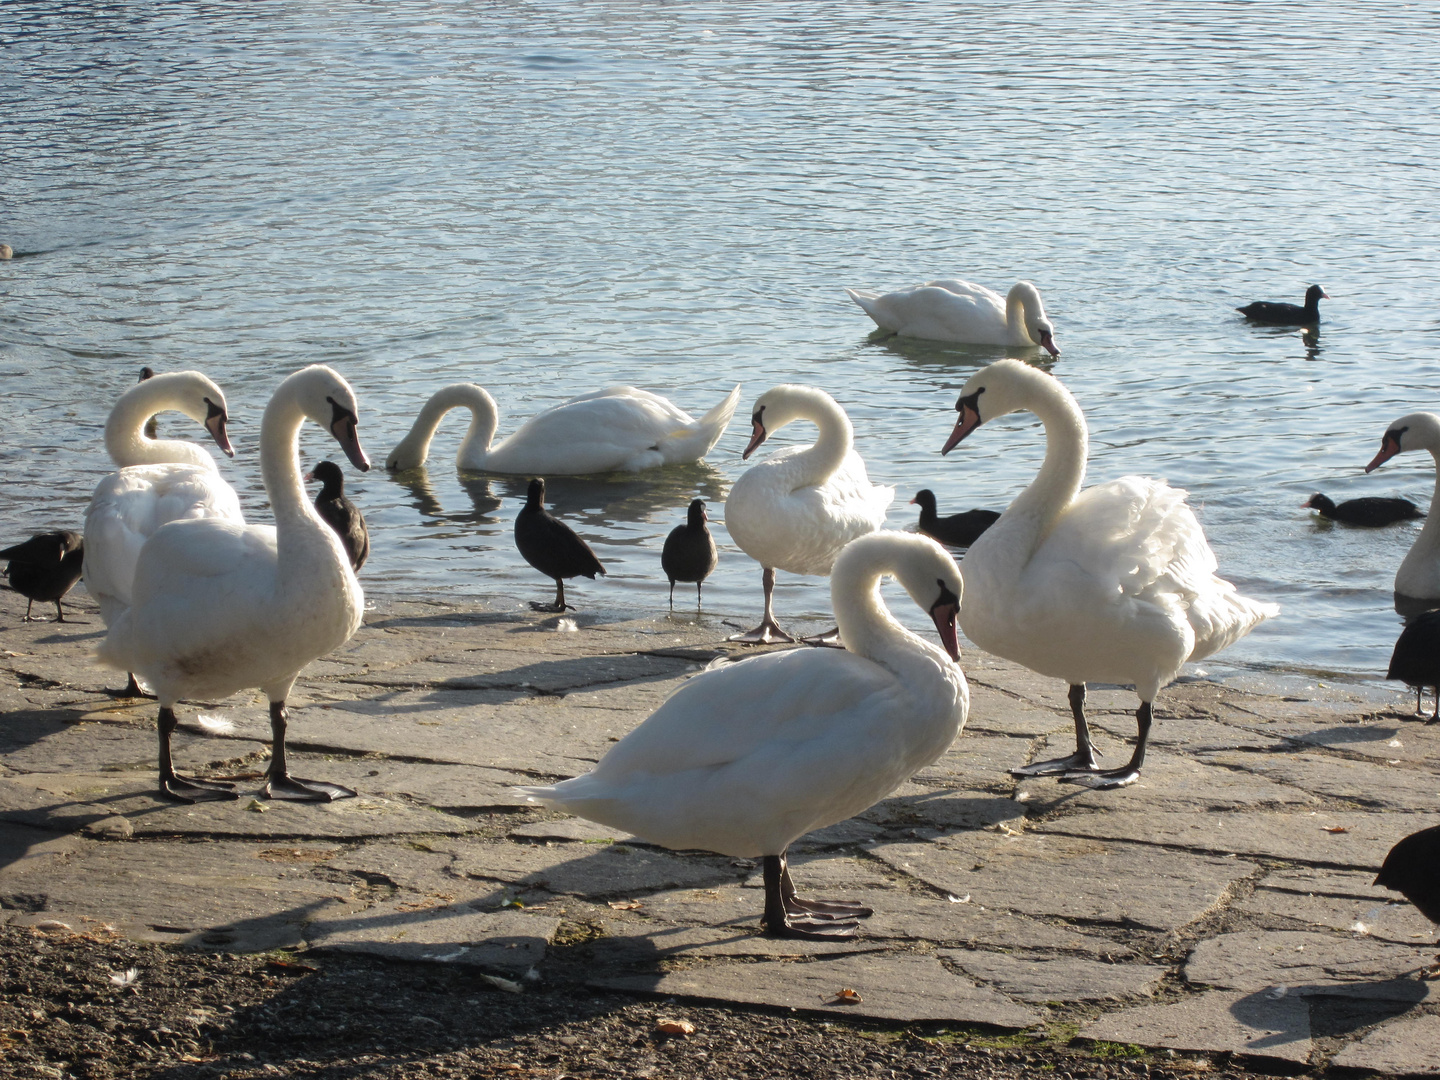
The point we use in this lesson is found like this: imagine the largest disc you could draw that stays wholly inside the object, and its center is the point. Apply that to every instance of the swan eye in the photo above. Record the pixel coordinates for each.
(969, 401)
(946, 597)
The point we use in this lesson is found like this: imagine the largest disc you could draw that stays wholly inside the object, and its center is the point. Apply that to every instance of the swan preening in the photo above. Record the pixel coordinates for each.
(617, 429)
(796, 509)
(158, 481)
(745, 759)
(218, 606)
(952, 310)
(1115, 583)
(1419, 573)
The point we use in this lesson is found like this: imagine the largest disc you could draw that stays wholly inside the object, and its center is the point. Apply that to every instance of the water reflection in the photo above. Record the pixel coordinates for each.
(947, 357)
(483, 502)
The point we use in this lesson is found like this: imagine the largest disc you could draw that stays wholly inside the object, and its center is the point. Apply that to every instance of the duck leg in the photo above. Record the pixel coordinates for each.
(184, 789)
(781, 921)
(1435, 717)
(28, 605)
(559, 604)
(1082, 760)
(697, 595)
(279, 784)
(672, 594)
(768, 632)
(1106, 779)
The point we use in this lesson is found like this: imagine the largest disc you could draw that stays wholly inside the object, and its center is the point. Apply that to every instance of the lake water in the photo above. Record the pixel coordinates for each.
(551, 197)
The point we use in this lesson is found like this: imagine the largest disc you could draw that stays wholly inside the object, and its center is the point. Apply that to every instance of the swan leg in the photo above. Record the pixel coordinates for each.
(559, 604)
(184, 789)
(1108, 779)
(830, 639)
(1082, 760)
(782, 922)
(132, 687)
(819, 908)
(768, 632)
(279, 784)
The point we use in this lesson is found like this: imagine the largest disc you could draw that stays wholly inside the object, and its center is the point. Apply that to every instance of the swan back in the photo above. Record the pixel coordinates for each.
(949, 309)
(746, 758)
(188, 392)
(796, 509)
(412, 451)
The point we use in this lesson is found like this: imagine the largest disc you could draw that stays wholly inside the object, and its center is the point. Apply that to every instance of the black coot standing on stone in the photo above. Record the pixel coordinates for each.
(1413, 869)
(1278, 314)
(1416, 659)
(340, 513)
(551, 546)
(1371, 510)
(957, 530)
(46, 567)
(689, 552)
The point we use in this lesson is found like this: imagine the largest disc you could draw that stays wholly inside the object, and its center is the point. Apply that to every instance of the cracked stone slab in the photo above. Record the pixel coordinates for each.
(1221, 1021)
(489, 669)
(1305, 962)
(94, 799)
(1110, 882)
(1409, 1046)
(976, 760)
(1336, 838)
(1370, 783)
(1041, 978)
(1384, 739)
(595, 870)
(510, 941)
(890, 986)
(1180, 782)
(92, 742)
(646, 944)
(922, 805)
(1376, 916)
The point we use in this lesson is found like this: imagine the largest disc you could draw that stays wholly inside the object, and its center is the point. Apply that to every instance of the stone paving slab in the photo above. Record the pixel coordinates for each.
(1256, 1025)
(890, 987)
(1409, 1045)
(1256, 829)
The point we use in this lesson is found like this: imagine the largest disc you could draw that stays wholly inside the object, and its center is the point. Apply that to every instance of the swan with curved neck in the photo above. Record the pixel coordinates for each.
(745, 759)
(617, 429)
(219, 607)
(948, 309)
(1419, 573)
(1115, 583)
(796, 509)
(158, 480)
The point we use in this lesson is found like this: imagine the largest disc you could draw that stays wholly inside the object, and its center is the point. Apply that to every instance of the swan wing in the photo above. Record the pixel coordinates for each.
(943, 310)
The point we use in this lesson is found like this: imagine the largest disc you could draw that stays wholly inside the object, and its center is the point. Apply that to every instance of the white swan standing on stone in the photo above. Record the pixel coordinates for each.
(220, 607)
(745, 759)
(796, 509)
(1419, 573)
(952, 310)
(158, 480)
(1115, 583)
(617, 429)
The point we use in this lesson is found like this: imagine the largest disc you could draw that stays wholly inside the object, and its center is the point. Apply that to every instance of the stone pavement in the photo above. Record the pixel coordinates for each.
(1224, 903)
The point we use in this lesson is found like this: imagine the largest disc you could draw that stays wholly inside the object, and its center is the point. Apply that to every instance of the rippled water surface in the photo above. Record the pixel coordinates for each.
(547, 198)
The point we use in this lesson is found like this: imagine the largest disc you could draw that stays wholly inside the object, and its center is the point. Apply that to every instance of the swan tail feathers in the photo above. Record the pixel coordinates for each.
(693, 441)
(1223, 619)
(866, 300)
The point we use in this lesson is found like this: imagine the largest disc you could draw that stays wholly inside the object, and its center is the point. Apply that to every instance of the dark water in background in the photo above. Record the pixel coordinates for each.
(547, 198)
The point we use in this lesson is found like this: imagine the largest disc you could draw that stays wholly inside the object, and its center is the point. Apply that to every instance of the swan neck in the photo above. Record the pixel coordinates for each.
(866, 626)
(126, 441)
(1427, 544)
(280, 461)
(833, 443)
(484, 418)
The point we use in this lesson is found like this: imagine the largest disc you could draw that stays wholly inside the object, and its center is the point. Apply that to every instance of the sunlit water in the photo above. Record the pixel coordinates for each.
(547, 198)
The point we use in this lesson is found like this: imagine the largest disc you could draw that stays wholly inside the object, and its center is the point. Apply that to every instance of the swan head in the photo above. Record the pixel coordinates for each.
(1005, 386)
(780, 405)
(414, 449)
(1040, 328)
(1416, 431)
(924, 569)
(188, 392)
(326, 398)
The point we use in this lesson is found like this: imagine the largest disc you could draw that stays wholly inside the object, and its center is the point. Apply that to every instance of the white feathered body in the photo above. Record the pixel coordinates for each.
(127, 508)
(949, 309)
(802, 528)
(1121, 588)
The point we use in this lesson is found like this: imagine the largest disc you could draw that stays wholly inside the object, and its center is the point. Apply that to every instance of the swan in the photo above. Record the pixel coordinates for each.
(620, 428)
(220, 606)
(1115, 583)
(746, 758)
(952, 310)
(1419, 573)
(157, 480)
(796, 509)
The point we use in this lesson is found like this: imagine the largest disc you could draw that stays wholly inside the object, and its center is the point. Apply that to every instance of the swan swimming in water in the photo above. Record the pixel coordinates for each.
(959, 311)
(1115, 583)
(796, 509)
(220, 607)
(617, 429)
(746, 758)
